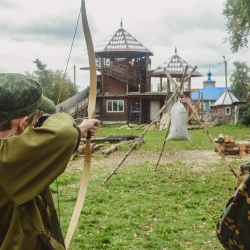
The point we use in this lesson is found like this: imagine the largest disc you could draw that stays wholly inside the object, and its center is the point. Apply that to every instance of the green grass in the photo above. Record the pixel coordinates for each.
(175, 207)
(155, 138)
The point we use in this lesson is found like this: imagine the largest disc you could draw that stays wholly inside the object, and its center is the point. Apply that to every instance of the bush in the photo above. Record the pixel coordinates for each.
(245, 119)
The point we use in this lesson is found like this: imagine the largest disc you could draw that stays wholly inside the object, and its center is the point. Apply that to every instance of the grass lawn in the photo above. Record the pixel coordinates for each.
(175, 207)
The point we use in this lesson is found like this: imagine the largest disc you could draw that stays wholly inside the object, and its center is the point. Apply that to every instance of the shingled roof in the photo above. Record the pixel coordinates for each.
(227, 98)
(121, 41)
(209, 93)
(176, 66)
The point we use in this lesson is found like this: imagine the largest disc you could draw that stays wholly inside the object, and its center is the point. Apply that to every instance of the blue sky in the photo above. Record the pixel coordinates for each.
(44, 29)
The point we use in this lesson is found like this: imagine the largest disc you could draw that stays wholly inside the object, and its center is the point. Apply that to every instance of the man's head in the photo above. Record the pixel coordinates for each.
(20, 96)
(20, 101)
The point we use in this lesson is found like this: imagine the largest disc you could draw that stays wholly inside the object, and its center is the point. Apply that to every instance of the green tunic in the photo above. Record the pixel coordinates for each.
(29, 163)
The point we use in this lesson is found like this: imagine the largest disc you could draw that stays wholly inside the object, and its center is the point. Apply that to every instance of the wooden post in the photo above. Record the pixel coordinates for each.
(202, 106)
(139, 87)
(119, 70)
(140, 119)
(146, 72)
(167, 131)
(127, 75)
(201, 123)
(149, 83)
(168, 86)
(152, 122)
(141, 136)
(169, 117)
(199, 102)
(188, 113)
(102, 83)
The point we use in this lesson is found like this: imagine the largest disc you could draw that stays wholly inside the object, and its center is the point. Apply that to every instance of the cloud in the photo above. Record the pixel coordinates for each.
(44, 29)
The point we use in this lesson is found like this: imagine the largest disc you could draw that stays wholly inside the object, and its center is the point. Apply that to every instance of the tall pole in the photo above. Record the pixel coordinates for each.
(225, 70)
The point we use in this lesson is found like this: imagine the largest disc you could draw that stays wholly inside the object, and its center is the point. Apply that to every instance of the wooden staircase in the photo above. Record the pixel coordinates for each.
(126, 74)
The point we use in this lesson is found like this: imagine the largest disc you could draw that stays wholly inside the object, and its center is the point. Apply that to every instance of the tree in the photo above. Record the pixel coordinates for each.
(240, 80)
(54, 83)
(245, 119)
(237, 13)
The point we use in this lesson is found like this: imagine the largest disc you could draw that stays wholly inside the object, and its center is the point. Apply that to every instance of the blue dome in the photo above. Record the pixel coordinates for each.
(209, 77)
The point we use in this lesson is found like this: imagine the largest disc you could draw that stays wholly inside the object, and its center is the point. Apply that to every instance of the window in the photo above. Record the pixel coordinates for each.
(206, 106)
(115, 106)
(227, 110)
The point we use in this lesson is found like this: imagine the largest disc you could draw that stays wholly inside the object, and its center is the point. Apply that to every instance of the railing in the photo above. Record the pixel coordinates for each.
(126, 74)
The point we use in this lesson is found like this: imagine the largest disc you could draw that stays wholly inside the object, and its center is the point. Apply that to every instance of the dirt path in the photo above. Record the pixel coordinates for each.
(194, 158)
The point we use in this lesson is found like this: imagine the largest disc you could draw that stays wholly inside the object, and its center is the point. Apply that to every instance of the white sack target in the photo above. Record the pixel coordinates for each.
(178, 129)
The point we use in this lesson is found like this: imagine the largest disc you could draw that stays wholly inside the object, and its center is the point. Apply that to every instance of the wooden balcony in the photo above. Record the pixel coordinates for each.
(126, 74)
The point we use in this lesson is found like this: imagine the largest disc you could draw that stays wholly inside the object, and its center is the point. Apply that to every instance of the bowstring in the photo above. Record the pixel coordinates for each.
(57, 186)
(69, 56)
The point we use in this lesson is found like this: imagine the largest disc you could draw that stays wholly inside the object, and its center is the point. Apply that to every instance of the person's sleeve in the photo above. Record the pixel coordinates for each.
(31, 161)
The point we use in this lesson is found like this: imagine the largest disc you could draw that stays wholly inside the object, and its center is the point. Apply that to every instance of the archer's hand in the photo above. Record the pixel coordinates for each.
(89, 125)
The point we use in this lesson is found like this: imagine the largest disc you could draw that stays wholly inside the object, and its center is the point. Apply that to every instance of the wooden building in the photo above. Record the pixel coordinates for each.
(176, 66)
(224, 107)
(124, 91)
(124, 83)
(209, 94)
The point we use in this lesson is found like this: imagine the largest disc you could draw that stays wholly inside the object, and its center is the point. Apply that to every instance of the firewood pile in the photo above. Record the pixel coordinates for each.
(229, 146)
(191, 127)
(108, 147)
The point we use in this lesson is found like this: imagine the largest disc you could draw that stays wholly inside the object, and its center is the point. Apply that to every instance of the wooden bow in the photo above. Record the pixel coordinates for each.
(88, 149)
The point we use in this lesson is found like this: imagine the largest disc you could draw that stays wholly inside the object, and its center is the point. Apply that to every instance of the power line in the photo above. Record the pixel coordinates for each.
(209, 65)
